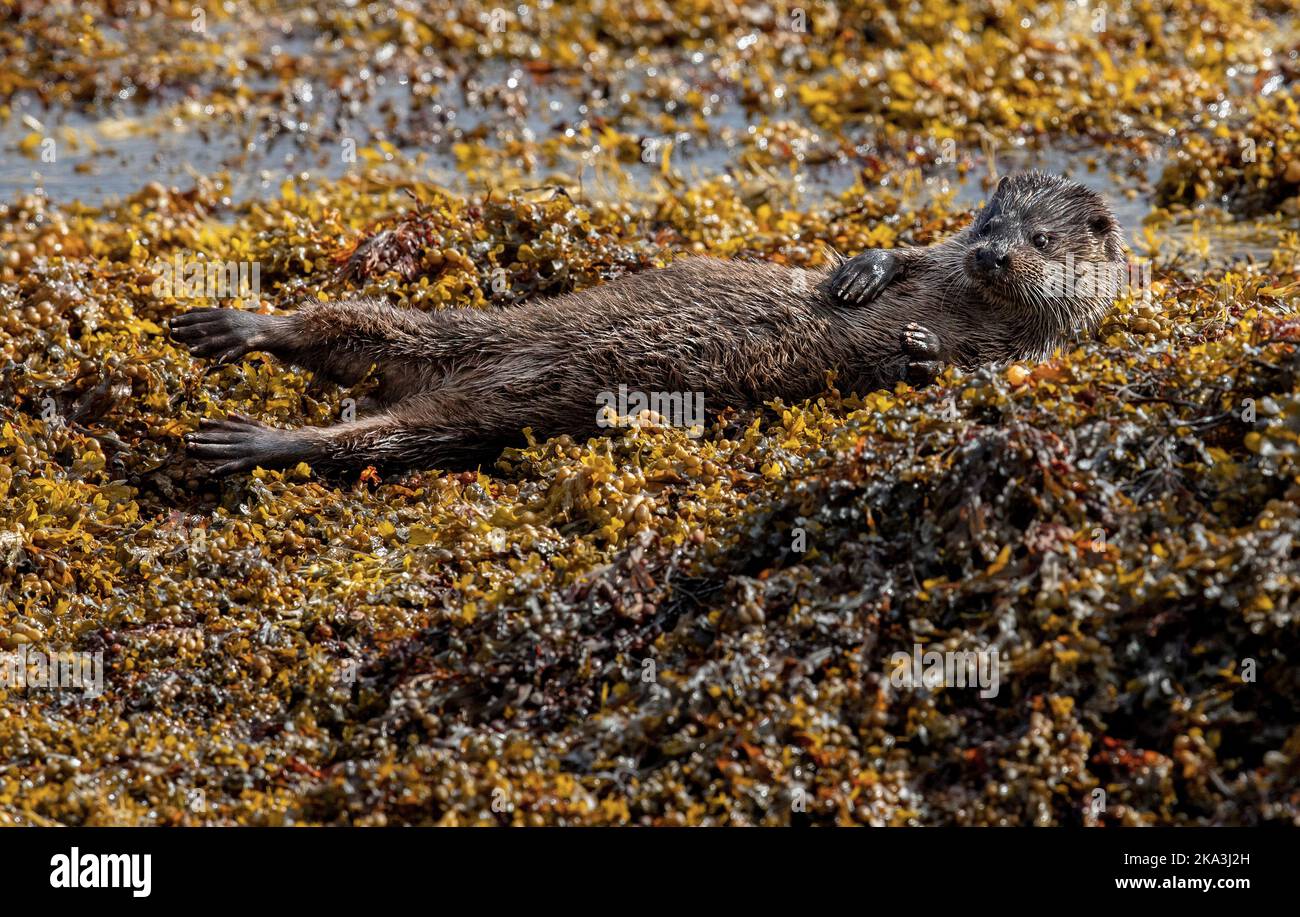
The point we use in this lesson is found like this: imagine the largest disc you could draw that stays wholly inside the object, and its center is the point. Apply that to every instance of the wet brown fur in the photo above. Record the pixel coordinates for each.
(458, 385)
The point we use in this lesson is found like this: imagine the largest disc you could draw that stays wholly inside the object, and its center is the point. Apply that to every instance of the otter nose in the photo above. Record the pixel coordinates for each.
(990, 261)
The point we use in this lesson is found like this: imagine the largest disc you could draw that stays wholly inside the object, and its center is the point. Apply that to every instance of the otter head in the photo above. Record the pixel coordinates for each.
(1048, 248)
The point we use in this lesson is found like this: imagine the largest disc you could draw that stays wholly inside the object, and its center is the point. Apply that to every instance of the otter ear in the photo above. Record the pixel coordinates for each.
(1002, 183)
(1101, 225)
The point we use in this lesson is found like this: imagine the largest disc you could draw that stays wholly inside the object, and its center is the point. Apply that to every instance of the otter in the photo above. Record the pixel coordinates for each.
(457, 386)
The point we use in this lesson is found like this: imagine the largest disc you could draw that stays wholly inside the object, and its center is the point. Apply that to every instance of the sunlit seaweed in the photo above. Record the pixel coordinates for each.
(649, 627)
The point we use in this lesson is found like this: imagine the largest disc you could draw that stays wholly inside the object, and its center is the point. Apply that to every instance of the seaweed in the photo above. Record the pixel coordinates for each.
(650, 627)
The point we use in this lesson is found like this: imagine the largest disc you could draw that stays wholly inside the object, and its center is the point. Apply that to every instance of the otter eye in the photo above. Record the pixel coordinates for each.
(1040, 240)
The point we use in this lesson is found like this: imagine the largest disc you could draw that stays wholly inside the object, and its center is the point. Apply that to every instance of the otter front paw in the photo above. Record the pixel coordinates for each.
(226, 334)
(861, 279)
(921, 348)
(239, 444)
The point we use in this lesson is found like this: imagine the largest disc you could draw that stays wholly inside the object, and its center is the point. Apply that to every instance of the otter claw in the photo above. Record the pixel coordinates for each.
(921, 347)
(239, 444)
(862, 278)
(223, 334)
(920, 342)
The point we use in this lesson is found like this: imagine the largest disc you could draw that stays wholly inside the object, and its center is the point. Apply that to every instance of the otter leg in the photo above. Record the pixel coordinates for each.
(340, 340)
(421, 431)
(862, 278)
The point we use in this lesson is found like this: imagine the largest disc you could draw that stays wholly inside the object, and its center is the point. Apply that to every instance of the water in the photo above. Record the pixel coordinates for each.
(111, 154)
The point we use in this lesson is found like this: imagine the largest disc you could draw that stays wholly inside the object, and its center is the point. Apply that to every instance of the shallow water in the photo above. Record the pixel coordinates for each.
(130, 145)
(111, 154)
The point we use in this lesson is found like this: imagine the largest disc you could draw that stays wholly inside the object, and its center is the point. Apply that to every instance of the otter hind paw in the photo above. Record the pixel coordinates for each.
(921, 347)
(223, 334)
(862, 278)
(239, 444)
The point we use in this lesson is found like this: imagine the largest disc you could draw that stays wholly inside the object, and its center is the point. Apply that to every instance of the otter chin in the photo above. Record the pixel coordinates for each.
(1039, 264)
